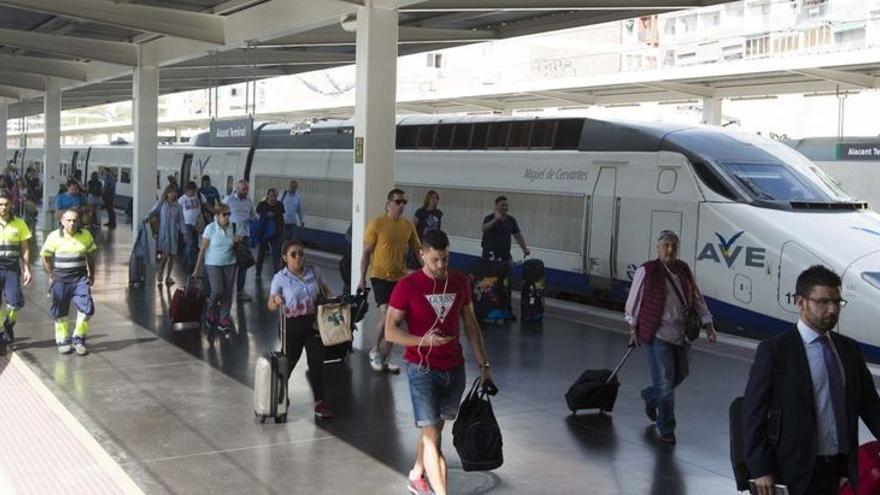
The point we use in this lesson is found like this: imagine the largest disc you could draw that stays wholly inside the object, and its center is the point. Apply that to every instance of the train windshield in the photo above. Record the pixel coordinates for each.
(792, 178)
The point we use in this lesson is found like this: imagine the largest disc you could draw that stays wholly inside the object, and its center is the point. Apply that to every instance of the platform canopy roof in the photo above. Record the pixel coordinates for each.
(90, 47)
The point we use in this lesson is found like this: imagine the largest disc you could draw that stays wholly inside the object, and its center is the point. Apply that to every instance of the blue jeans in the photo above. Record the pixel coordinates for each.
(669, 367)
(435, 395)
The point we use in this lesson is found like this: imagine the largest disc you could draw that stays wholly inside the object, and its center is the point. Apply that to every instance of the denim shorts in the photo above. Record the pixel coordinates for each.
(435, 394)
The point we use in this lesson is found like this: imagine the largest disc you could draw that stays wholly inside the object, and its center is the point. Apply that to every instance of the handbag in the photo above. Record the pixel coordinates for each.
(693, 323)
(475, 433)
(244, 258)
(334, 321)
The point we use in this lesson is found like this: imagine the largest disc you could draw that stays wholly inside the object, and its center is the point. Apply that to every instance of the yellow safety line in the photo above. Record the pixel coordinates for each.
(107, 464)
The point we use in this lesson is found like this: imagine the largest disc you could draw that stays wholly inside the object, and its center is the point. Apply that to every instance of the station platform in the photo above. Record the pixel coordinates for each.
(174, 410)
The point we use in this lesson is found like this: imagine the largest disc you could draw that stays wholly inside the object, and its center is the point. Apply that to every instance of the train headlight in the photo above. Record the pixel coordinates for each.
(872, 278)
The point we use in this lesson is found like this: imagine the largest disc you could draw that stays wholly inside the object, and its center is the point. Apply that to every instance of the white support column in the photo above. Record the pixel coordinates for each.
(712, 111)
(145, 114)
(51, 143)
(374, 127)
(4, 118)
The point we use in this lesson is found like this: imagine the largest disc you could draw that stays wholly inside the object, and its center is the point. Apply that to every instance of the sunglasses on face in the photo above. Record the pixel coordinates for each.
(296, 254)
(400, 201)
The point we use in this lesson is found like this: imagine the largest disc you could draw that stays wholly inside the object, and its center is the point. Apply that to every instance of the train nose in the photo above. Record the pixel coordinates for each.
(861, 289)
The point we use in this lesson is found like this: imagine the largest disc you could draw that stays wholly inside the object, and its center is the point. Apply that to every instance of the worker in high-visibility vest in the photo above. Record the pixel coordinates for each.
(67, 256)
(15, 267)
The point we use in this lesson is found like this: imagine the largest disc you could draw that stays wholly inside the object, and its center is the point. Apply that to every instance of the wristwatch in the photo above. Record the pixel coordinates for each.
(485, 365)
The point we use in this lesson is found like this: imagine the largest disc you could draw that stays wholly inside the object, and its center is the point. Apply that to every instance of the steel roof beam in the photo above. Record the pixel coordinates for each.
(696, 90)
(268, 56)
(577, 99)
(550, 5)
(840, 77)
(479, 103)
(9, 92)
(406, 35)
(24, 81)
(170, 22)
(76, 47)
(45, 66)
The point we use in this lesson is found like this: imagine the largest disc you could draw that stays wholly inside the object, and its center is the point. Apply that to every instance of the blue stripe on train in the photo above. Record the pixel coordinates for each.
(579, 283)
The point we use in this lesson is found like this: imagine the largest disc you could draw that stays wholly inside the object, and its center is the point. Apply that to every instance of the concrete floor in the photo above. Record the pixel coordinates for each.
(175, 410)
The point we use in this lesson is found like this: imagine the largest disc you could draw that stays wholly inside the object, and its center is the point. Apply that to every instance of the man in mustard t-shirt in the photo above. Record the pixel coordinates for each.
(386, 241)
(15, 269)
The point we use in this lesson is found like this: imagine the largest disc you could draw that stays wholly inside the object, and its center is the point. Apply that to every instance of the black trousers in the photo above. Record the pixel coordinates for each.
(827, 474)
(301, 334)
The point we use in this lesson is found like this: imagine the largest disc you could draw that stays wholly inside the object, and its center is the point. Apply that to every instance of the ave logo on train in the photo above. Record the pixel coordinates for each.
(726, 251)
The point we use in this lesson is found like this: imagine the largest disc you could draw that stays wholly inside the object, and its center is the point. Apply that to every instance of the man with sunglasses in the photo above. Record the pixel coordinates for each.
(386, 241)
(807, 389)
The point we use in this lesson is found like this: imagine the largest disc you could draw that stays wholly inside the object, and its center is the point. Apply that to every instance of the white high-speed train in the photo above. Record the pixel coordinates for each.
(590, 197)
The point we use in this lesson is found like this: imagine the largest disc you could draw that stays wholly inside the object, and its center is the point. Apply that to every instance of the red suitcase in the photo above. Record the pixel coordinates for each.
(869, 471)
(186, 306)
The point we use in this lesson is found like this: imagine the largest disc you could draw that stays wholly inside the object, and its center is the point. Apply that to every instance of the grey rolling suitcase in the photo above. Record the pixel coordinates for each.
(137, 262)
(270, 382)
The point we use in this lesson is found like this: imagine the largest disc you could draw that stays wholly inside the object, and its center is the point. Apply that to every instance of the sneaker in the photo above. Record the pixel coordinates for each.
(391, 368)
(420, 487)
(79, 345)
(225, 325)
(323, 412)
(244, 296)
(65, 348)
(651, 412)
(376, 361)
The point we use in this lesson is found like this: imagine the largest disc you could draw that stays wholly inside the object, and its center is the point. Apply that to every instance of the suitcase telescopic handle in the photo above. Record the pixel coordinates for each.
(629, 350)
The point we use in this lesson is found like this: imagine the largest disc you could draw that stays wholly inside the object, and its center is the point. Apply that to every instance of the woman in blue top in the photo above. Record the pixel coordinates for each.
(216, 254)
(171, 227)
(296, 288)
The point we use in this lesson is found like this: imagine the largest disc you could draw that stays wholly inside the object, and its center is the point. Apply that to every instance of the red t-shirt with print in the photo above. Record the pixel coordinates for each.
(430, 303)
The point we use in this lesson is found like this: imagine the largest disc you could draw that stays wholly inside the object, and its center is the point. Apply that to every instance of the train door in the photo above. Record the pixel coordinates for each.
(186, 169)
(604, 206)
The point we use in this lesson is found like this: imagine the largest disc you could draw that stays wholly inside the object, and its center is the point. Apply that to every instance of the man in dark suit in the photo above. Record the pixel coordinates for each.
(806, 391)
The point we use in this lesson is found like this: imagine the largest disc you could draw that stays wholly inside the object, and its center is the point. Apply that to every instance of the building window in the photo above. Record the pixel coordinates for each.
(757, 47)
(435, 60)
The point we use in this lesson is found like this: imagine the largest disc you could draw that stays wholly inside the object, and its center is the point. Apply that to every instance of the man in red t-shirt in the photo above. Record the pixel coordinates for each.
(433, 301)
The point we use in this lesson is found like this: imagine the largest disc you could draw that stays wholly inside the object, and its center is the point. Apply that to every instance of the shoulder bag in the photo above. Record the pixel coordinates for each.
(333, 320)
(243, 255)
(693, 323)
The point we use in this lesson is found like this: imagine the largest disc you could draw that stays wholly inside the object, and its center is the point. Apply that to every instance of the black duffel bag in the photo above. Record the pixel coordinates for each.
(475, 433)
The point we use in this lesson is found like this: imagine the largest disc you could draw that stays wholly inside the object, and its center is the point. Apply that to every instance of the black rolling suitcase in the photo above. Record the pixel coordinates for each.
(490, 283)
(359, 305)
(137, 262)
(532, 294)
(595, 389)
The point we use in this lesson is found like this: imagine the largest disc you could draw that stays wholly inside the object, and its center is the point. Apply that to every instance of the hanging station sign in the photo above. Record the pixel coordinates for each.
(859, 151)
(232, 132)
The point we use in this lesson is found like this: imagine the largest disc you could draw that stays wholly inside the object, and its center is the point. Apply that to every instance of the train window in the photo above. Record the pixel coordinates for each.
(426, 136)
(519, 135)
(228, 185)
(773, 181)
(444, 136)
(872, 278)
(498, 133)
(568, 134)
(461, 136)
(711, 179)
(666, 180)
(406, 136)
(125, 175)
(478, 141)
(542, 134)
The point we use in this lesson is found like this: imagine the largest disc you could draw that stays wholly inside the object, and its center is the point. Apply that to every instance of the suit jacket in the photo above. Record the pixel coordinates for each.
(779, 413)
